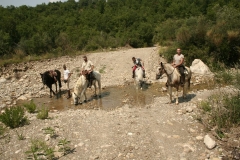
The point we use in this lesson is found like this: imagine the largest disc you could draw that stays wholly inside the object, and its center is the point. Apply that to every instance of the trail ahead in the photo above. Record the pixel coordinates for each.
(156, 131)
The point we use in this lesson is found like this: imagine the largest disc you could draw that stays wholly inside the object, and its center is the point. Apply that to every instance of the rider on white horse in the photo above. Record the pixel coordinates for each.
(178, 61)
(88, 66)
(137, 62)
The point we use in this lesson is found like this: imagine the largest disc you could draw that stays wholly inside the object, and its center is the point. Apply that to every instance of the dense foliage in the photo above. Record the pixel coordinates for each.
(202, 28)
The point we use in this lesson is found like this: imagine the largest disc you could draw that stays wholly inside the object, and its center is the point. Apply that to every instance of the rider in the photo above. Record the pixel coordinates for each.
(178, 61)
(137, 62)
(88, 66)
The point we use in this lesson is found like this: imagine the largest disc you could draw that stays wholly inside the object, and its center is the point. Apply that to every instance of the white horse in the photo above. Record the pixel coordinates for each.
(138, 77)
(82, 84)
(173, 79)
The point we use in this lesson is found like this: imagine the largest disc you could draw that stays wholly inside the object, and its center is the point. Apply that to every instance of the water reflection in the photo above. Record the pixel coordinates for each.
(112, 97)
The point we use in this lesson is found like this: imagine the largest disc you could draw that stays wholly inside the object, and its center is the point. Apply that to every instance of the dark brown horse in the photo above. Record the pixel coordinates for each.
(48, 79)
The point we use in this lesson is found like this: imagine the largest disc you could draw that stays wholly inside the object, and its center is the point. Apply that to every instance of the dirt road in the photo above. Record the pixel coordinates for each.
(157, 131)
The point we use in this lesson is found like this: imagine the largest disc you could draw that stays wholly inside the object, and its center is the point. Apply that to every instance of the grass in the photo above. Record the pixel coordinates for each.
(49, 130)
(222, 111)
(42, 113)
(14, 117)
(39, 150)
(31, 107)
(102, 70)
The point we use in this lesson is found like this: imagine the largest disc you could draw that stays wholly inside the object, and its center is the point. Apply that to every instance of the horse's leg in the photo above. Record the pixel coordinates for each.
(177, 96)
(56, 86)
(95, 88)
(99, 88)
(170, 93)
(85, 96)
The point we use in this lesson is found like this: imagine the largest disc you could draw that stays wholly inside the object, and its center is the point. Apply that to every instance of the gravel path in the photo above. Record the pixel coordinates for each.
(157, 131)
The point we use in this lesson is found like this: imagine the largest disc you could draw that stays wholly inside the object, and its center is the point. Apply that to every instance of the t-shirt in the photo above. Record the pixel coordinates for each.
(66, 74)
(87, 65)
(138, 61)
(177, 58)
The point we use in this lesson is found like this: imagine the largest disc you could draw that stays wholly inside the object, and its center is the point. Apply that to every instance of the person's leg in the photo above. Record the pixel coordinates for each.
(90, 79)
(144, 75)
(133, 72)
(181, 69)
(68, 89)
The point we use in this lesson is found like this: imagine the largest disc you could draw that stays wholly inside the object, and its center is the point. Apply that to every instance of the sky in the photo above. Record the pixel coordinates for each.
(31, 3)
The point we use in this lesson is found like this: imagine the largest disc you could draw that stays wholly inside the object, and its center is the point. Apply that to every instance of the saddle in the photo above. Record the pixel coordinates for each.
(53, 74)
(89, 76)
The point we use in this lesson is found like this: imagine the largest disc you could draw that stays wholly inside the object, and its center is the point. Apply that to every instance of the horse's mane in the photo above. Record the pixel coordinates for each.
(169, 66)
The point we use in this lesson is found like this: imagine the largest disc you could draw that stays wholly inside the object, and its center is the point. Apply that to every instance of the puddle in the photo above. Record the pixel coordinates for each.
(113, 97)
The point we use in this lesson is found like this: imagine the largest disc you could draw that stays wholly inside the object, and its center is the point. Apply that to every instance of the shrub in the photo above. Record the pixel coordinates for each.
(39, 150)
(14, 117)
(64, 146)
(50, 131)
(2, 130)
(31, 107)
(43, 113)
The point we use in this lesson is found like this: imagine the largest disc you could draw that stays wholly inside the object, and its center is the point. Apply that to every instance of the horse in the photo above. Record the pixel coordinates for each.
(48, 80)
(173, 79)
(82, 84)
(138, 79)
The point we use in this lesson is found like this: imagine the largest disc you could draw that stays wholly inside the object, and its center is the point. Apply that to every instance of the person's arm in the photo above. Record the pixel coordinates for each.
(142, 63)
(69, 75)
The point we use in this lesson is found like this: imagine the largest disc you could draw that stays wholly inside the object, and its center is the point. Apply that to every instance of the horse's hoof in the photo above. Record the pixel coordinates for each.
(85, 101)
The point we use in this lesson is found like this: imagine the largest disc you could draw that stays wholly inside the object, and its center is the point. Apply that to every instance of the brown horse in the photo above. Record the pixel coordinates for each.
(48, 80)
(173, 79)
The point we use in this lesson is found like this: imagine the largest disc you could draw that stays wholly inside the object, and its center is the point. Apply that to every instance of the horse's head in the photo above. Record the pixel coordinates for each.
(160, 71)
(75, 98)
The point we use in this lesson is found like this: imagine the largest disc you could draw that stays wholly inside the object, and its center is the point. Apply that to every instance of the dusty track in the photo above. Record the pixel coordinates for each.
(157, 131)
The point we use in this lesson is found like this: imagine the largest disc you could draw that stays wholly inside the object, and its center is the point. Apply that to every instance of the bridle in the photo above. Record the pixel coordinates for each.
(76, 95)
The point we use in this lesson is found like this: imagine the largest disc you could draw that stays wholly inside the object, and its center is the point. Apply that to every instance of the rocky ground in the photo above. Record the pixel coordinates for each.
(156, 131)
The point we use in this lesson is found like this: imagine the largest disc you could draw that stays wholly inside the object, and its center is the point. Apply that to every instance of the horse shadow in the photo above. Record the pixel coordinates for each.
(145, 85)
(188, 98)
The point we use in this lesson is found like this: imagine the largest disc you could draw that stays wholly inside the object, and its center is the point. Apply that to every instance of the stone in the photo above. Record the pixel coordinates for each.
(3, 80)
(189, 109)
(199, 138)
(209, 142)
(22, 98)
(198, 67)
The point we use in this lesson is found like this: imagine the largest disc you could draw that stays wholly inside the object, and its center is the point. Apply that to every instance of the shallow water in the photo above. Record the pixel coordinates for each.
(113, 97)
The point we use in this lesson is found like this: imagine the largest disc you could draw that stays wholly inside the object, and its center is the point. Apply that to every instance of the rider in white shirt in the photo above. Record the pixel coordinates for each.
(88, 66)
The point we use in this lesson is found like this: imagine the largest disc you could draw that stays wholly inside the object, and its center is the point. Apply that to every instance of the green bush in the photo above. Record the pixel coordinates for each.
(205, 106)
(2, 130)
(42, 113)
(31, 107)
(14, 117)
(39, 150)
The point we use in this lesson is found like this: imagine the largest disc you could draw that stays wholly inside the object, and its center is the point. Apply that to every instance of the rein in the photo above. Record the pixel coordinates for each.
(167, 73)
(76, 95)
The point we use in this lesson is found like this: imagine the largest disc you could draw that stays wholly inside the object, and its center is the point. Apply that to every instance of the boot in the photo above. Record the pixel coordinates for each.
(69, 94)
(144, 74)
(182, 80)
(133, 74)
